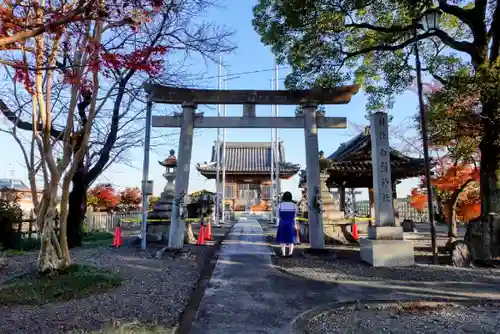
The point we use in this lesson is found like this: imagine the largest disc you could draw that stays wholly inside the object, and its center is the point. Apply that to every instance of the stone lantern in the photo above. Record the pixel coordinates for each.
(170, 165)
(159, 218)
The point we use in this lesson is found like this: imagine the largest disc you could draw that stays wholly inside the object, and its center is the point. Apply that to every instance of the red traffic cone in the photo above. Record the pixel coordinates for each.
(355, 234)
(117, 239)
(208, 231)
(201, 235)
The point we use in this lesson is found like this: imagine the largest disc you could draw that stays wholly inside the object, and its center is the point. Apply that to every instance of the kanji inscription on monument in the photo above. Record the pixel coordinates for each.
(381, 164)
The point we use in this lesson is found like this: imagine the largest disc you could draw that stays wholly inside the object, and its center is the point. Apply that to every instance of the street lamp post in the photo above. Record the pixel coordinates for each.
(430, 21)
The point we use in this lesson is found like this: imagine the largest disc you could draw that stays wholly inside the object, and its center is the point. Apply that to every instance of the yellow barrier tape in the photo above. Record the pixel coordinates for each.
(191, 220)
(358, 219)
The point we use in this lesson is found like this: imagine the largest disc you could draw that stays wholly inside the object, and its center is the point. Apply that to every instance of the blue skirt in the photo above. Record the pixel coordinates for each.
(286, 232)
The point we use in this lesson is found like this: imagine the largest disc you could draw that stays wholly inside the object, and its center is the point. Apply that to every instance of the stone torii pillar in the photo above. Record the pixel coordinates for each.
(177, 226)
(315, 214)
(249, 98)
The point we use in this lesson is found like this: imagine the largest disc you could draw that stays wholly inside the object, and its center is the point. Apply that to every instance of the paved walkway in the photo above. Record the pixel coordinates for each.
(246, 294)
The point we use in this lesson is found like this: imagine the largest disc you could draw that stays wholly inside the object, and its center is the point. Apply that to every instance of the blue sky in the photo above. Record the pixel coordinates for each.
(251, 55)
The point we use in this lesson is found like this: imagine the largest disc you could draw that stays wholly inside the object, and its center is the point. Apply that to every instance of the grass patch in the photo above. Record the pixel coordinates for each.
(97, 239)
(77, 281)
(89, 240)
(14, 252)
(135, 328)
(97, 236)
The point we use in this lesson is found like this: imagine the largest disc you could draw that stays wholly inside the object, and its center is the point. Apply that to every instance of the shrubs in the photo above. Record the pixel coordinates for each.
(11, 216)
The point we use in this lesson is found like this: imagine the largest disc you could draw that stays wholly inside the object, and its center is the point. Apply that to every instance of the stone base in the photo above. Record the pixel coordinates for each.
(408, 225)
(387, 253)
(158, 233)
(385, 233)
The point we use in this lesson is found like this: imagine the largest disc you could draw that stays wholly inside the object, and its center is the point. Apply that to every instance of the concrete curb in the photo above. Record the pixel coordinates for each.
(300, 321)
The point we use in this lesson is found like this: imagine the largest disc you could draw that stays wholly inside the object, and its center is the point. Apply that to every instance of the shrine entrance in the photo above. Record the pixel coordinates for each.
(308, 119)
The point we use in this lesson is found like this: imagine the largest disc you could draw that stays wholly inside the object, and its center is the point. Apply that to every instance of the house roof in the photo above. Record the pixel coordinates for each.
(13, 184)
(201, 192)
(246, 158)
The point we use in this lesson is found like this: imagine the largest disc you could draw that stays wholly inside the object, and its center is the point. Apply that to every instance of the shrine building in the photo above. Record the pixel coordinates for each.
(248, 173)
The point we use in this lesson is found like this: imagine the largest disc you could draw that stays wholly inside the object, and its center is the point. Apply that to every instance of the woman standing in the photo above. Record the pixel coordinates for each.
(287, 235)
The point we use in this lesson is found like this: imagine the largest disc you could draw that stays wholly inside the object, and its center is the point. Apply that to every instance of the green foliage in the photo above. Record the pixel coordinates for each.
(152, 201)
(11, 216)
(29, 244)
(77, 281)
(329, 43)
(454, 117)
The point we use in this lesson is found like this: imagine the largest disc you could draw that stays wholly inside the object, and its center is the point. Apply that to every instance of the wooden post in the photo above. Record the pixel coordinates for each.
(342, 199)
(30, 224)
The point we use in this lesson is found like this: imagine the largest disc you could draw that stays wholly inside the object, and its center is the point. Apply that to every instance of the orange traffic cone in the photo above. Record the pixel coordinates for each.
(201, 235)
(117, 239)
(355, 234)
(208, 231)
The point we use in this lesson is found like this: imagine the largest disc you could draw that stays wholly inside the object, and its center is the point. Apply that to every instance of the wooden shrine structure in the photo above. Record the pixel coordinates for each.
(350, 166)
(248, 173)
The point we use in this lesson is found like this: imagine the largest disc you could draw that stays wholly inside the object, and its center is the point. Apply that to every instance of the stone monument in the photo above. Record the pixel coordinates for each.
(159, 218)
(332, 209)
(385, 245)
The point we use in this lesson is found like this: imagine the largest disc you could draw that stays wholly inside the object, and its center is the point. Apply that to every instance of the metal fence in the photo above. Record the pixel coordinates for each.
(106, 221)
(405, 210)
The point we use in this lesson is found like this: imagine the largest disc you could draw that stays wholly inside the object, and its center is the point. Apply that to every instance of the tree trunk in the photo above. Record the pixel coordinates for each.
(50, 258)
(451, 221)
(490, 161)
(77, 206)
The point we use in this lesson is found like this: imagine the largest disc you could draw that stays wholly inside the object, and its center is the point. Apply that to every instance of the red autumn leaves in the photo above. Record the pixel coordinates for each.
(65, 28)
(105, 198)
(456, 185)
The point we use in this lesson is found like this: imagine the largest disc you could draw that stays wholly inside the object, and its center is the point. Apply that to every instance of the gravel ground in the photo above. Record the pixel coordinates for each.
(352, 269)
(451, 318)
(154, 292)
(343, 263)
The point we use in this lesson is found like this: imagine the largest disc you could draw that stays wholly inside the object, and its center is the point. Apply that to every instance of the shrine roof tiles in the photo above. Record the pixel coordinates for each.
(366, 166)
(359, 148)
(248, 158)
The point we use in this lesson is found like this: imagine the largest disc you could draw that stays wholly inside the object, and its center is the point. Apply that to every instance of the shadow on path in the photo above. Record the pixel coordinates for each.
(248, 294)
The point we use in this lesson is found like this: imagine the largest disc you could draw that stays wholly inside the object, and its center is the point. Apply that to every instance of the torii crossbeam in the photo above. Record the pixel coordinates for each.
(308, 119)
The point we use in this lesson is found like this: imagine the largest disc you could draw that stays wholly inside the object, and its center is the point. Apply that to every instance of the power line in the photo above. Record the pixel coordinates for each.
(244, 73)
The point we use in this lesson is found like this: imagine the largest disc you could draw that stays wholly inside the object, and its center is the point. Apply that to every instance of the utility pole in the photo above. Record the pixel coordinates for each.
(217, 152)
(223, 207)
(277, 143)
(145, 175)
(272, 192)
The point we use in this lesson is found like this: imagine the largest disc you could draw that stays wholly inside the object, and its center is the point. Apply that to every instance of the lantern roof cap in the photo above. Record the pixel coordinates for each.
(171, 161)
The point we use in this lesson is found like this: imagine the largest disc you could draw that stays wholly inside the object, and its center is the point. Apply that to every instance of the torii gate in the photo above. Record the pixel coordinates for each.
(308, 119)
